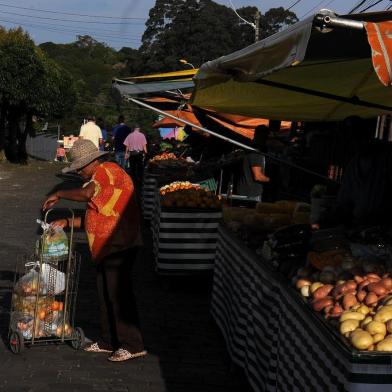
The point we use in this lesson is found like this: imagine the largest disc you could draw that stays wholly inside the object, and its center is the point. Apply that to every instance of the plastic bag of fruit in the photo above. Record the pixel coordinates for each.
(28, 283)
(25, 325)
(51, 274)
(51, 281)
(53, 244)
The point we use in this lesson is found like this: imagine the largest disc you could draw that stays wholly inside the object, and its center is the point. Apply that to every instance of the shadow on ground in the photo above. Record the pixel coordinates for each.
(186, 349)
(6, 284)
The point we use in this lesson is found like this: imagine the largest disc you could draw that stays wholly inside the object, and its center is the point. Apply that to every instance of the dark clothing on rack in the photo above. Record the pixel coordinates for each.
(118, 311)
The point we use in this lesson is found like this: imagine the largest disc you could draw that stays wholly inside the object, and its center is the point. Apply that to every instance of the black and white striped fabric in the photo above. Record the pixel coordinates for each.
(276, 338)
(184, 240)
(150, 186)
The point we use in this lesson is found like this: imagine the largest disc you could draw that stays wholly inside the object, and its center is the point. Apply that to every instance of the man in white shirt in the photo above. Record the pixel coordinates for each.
(91, 131)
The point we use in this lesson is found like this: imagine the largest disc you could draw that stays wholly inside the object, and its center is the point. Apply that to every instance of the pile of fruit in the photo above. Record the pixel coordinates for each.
(266, 216)
(49, 316)
(334, 299)
(163, 157)
(177, 186)
(368, 329)
(187, 195)
(352, 293)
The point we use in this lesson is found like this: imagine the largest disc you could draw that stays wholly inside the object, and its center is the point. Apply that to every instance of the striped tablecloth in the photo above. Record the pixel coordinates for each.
(184, 240)
(276, 338)
(150, 187)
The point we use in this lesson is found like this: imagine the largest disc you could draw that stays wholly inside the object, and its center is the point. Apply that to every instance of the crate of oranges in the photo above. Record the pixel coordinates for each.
(183, 194)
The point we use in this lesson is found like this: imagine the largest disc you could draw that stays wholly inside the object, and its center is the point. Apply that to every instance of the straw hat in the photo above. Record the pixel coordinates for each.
(81, 154)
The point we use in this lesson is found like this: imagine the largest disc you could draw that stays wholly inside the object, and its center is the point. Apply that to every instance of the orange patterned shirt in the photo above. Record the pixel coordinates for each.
(112, 216)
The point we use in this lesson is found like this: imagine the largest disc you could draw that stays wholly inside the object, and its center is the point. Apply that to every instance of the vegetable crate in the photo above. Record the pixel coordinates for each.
(45, 291)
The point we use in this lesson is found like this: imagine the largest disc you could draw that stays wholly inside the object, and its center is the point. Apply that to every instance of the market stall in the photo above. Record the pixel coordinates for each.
(272, 333)
(295, 316)
(185, 228)
(320, 320)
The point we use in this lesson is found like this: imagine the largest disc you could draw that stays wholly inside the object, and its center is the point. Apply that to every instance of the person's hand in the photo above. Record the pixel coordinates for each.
(264, 179)
(59, 223)
(50, 201)
(315, 226)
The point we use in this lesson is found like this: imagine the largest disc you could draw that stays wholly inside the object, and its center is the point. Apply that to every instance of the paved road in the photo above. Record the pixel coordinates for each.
(187, 353)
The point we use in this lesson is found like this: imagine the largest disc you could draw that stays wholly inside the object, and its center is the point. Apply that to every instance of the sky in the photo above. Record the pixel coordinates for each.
(121, 22)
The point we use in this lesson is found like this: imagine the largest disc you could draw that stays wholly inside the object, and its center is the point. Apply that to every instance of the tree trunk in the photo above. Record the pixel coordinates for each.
(13, 128)
(3, 119)
(22, 137)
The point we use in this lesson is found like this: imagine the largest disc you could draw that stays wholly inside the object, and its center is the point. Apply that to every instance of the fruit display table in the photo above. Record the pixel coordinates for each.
(184, 240)
(274, 336)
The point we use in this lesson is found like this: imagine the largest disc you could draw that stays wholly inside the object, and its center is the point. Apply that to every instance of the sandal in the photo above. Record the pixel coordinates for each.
(94, 348)
(123, 355)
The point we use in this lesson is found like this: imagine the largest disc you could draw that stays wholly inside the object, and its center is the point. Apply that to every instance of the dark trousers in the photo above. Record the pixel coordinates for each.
(136, 162)
(118, 311)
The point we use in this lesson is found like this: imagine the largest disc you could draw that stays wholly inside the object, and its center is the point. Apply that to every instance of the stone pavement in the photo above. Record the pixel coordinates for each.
(186, 351)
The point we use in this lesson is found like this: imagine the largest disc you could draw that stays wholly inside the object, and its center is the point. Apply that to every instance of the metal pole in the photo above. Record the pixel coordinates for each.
(192, 125)
(229, 140)
(58, 131)
(331, 21)
(257, 26)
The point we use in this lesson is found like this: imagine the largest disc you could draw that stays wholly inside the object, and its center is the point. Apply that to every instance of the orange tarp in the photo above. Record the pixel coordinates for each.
(241, 125)
(380, 40)
(168, 122)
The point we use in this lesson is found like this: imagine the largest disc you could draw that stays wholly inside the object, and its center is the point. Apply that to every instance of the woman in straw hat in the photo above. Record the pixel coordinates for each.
(112, 226)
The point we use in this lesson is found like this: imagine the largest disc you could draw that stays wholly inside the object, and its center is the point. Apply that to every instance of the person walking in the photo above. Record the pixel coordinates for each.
(112, 226)
(91, 131)
(120, 133)
(135, 151)
(101, 124)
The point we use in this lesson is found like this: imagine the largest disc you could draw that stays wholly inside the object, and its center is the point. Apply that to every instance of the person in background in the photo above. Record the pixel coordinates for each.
(120, 120)
(252, 176)
(135, 151)
(91, 131)
(112, 226)
(120, 133)
(101, 125)
(60, 154)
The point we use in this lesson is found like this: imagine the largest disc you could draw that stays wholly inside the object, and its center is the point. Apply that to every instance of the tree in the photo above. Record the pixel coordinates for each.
(200, 30)
(31, 86)
(275, 19)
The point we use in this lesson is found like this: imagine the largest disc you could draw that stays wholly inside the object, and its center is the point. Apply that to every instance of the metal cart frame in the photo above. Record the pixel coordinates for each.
(68, 264)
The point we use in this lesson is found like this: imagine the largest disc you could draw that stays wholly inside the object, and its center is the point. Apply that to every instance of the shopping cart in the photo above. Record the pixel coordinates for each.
(44, 295)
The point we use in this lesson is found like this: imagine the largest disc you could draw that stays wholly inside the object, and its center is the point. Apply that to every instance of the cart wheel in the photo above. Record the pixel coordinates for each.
(16, 342)
(78, 338)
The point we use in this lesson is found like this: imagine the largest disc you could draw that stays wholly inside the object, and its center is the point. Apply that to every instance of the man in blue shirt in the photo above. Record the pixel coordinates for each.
(120, 132)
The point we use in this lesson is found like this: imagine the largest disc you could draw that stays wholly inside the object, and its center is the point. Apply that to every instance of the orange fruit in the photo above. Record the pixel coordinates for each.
(42, 315)
(55, 305)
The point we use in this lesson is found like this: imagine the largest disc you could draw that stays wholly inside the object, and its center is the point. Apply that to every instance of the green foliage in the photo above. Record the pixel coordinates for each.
(200, 30)
(65, 82)
(275, 19)
(30, 85)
